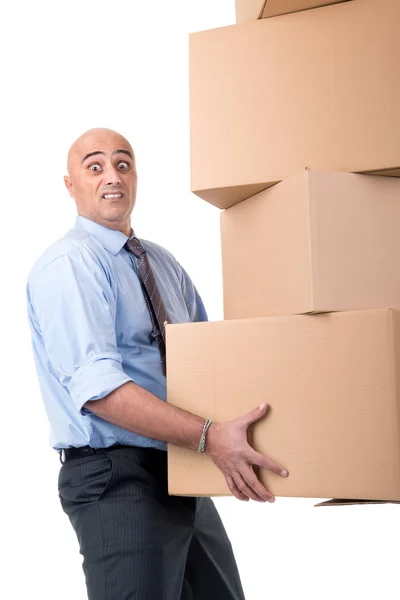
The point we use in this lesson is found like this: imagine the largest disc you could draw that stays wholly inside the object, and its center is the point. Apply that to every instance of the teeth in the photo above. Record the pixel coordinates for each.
(108, 196)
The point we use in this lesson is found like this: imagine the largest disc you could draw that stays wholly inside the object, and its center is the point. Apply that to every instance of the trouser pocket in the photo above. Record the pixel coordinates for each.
(84, 479)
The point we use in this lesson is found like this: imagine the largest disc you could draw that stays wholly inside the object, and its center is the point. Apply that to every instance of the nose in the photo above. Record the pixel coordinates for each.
(113, 177)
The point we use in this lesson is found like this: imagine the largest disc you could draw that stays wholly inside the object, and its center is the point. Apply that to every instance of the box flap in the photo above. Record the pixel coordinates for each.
(249, 10)
(225, 197)
(273, 8)
(386, 172)
(349, 502)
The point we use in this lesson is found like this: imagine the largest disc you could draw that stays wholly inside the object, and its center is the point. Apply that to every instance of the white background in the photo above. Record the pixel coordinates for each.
(66, 67)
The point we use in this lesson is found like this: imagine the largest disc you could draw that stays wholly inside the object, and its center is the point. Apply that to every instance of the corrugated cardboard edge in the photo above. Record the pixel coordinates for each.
(344, 502)
(226, 197)
(262, 10)
(264, 16)
(383, 172)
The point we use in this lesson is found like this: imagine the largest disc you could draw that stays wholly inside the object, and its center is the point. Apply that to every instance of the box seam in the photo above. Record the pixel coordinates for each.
(311, 223)
(395, 376)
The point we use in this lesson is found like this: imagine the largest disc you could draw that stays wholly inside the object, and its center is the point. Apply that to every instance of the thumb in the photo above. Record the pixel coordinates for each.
(255, 414)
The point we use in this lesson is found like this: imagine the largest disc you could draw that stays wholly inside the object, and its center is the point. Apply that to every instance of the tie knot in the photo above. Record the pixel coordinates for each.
(133, 245)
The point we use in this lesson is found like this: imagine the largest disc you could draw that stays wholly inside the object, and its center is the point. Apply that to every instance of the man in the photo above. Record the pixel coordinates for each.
(100, 356)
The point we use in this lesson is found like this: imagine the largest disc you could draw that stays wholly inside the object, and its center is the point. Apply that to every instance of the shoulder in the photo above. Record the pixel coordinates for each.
(162, 255)
(75, 246)
(158, 250)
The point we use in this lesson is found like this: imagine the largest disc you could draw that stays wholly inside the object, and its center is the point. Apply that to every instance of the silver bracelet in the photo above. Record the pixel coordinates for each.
(202, 443)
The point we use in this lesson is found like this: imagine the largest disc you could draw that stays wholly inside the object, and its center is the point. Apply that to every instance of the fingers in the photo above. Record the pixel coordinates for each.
(255, 414)
(266, 463)
(245, 489)
(235, 490)
(245, 485)
(253, 486)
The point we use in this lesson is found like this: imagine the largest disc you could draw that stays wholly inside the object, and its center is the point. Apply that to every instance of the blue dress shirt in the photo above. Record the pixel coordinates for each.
(91, 329)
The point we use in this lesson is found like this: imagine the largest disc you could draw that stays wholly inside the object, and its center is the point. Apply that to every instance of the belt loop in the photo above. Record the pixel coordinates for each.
(61, 457)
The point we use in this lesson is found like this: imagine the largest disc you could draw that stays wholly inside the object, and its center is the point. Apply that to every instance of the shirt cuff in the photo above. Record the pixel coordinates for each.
(97, 378)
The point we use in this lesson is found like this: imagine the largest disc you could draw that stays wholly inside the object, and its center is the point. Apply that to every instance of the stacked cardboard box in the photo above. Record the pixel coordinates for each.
(316, 88)
(283, 111)
(249, 10)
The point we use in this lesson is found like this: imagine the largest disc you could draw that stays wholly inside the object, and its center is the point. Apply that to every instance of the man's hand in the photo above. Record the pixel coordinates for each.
(136, 409)
(228, 447)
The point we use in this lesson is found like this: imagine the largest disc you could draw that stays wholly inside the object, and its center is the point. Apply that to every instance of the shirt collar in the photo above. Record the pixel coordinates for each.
(111, 240)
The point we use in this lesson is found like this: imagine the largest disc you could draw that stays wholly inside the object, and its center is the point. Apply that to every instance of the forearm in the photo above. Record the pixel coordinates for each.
(134, 408)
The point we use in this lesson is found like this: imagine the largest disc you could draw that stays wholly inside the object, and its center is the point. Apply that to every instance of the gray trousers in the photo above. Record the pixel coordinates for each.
(139, 543)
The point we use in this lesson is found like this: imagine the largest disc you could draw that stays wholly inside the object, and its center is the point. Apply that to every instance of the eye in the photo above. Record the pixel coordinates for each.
(123, 165)
(94, 167)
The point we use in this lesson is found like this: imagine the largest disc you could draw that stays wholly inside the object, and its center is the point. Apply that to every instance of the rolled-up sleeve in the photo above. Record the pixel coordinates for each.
(74, 307)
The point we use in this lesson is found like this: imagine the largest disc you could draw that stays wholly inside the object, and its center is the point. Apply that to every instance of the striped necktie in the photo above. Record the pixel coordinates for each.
(155, 304)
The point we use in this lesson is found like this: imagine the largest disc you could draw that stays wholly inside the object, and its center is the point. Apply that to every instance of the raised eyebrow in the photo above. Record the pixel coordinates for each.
(96, 152)
(122, 151)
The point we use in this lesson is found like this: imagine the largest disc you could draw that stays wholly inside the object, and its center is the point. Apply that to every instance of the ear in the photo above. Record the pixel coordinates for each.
(68, 185)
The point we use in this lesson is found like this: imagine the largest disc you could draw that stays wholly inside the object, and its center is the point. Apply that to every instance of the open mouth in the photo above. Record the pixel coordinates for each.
(112, 196)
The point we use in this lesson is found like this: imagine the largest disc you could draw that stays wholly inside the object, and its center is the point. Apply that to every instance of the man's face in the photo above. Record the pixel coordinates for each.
(102, 178)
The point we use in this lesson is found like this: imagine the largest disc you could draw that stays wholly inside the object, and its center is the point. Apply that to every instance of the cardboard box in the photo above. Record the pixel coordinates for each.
(341, 502)
(332, 382)
(250, 10)
(317, 242)
(313, 89)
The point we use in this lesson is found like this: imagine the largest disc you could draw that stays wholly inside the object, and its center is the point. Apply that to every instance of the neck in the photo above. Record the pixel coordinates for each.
(124, 228)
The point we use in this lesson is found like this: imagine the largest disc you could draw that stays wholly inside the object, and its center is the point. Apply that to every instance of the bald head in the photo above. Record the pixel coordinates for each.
(91, 138)
(102, 178)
